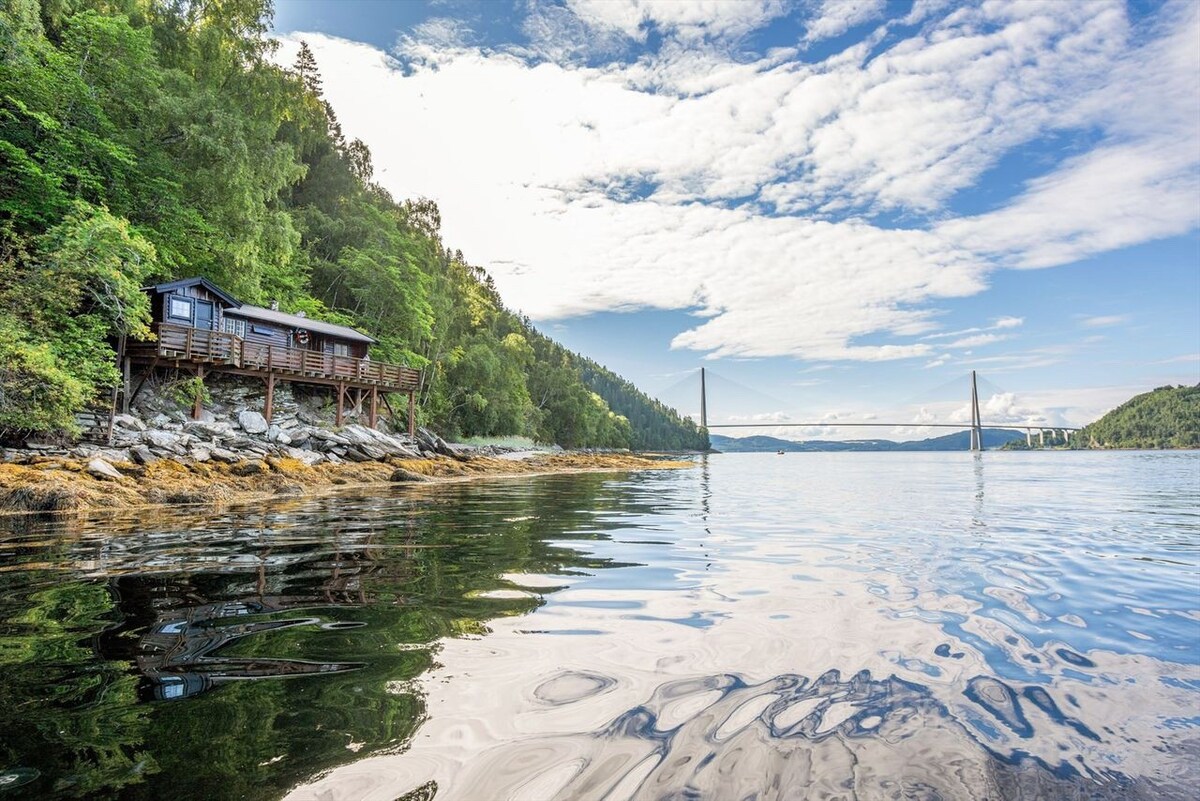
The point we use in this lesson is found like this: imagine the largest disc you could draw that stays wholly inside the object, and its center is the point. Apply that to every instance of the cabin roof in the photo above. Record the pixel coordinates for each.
(204, 282)
(296, 321)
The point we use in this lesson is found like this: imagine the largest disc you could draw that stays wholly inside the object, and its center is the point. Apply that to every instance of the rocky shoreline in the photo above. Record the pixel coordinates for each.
(168, 461)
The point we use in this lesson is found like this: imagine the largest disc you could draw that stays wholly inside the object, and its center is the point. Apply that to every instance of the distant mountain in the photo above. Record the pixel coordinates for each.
(958, 441)
(1167, 417)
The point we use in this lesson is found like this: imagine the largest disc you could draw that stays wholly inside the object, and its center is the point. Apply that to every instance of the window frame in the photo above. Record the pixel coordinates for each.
(182, 300)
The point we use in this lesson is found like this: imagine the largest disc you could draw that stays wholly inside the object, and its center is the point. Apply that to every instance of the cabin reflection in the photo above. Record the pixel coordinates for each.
(179, 655)
(185, 620)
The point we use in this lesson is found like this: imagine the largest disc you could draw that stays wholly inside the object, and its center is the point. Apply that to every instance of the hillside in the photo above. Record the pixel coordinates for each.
(1167, 417)
(958, 441)
(162, 142)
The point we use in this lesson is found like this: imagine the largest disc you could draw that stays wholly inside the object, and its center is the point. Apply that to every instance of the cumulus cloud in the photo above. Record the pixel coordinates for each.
(835, 17)
(744, 190)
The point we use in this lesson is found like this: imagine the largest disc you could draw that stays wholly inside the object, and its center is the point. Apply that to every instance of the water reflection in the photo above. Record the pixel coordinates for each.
(755, 628)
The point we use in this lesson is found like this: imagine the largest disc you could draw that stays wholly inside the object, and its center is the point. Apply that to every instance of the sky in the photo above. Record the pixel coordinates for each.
(839, 208)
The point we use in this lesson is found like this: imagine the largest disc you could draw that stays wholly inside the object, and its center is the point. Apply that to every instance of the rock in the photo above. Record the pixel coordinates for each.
(161, 439)
(249, 467)
(356, 434)
(211, 430)
(205, 417)
(309, 458)
(130, 422)
(329, 436)
(222, 455)
(103, 470)
(400, 474)
(252, 422)
(199, 454)
(277, 434)
(142, 455)
(159, 420)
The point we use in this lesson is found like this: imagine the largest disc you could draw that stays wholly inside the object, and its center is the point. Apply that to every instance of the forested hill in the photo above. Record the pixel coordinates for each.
(147, 140)
(1168, 417)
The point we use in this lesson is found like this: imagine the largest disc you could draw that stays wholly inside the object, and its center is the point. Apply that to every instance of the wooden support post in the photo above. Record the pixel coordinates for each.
(374, 418)
(412, 414)
(341, 399)
(270, 404)
(126, 376)
(358, 401)
(198, 404)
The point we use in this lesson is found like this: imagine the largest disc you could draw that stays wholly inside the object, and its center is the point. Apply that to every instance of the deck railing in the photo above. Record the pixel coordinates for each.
(219, 347)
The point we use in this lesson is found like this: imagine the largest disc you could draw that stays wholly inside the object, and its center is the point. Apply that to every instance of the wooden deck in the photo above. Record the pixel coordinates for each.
(218, 350)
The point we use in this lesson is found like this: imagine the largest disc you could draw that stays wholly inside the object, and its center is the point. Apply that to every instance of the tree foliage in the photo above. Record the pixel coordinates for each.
(1167, 417)
(146, 140)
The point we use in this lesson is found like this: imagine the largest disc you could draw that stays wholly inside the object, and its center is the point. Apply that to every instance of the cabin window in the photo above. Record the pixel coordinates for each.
(179, 308)
(232, 325)
(341, 349)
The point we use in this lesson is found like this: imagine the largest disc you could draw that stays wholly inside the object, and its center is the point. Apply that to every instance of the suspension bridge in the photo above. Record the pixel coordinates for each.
(975, 426)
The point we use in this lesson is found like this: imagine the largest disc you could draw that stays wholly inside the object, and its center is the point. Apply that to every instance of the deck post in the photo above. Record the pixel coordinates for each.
(270, 404)
(126, 381)
(374, 418)
(412, 414)
(187, 344)
(198, 403)
(341, 392)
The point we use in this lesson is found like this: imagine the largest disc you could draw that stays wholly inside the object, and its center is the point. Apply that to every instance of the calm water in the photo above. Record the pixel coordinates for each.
(909, 626)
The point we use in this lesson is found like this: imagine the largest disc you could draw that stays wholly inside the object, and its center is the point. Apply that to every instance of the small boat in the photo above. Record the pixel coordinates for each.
(780, 453)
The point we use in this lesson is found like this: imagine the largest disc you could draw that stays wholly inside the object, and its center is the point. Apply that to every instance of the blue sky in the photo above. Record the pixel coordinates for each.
(842, 206)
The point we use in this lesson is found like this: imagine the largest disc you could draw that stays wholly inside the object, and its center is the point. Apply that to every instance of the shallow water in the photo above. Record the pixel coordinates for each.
(916, 626)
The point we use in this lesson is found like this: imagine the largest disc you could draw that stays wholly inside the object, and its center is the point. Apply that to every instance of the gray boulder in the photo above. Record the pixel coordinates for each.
(130, 422)
(208, 430)
(277, 434)
(252, 422)
(103, 470)
(161, 439)
(222, 455)
(142, 455)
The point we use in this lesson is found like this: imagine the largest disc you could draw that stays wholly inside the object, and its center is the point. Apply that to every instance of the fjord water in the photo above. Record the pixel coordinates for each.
(918, 626)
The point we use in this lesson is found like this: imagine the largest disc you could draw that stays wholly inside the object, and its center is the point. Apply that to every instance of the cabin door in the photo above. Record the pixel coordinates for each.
(204, 315)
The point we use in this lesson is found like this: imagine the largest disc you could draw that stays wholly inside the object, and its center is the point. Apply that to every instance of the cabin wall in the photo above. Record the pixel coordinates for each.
(265, 333)
(159, 307)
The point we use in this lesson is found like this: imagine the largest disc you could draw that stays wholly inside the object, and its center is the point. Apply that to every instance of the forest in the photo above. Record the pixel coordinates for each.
(1167, 417)
(148, 140)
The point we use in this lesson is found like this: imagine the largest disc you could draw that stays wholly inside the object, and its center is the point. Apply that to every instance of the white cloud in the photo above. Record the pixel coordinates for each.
(976, 340)
(586, 188)
(687, 19)
(1104, 321)
(835, 17)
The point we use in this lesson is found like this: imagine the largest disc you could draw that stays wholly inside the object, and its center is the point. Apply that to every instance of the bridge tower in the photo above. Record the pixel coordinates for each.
(703, 402)
(976, 420)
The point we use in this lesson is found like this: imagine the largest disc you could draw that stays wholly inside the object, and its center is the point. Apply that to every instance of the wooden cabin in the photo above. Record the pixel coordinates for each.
(201, 328)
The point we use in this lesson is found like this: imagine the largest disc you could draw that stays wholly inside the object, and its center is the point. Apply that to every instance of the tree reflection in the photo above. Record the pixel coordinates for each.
(242, 655)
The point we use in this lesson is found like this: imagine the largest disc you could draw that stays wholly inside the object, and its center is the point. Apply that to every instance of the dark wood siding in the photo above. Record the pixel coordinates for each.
(265, 333)
(160, 305)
